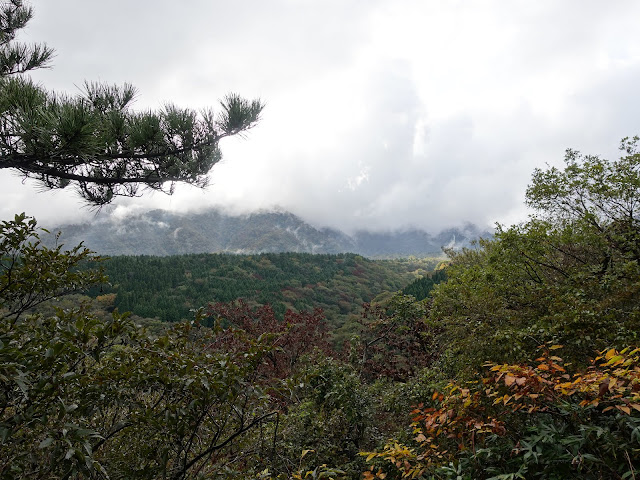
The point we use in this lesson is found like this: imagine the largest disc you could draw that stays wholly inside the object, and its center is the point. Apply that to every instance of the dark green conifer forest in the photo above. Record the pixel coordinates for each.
(169, 288)
(518, 358)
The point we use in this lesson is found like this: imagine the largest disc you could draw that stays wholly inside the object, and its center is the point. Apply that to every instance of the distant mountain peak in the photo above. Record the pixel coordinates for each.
(160, 232)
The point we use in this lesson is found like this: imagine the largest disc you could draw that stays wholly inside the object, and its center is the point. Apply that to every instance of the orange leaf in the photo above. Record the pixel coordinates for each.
(624, 409)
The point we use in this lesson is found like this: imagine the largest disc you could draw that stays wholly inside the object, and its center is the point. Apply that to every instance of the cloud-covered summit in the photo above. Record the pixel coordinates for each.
(380, 115)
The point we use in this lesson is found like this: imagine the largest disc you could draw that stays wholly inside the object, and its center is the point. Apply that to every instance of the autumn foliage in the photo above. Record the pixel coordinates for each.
(396, 342)
(296, 335)
(499, 415)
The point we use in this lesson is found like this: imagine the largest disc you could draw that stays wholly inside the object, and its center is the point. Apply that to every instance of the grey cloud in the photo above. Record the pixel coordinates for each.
(214, 47)
(349, 138)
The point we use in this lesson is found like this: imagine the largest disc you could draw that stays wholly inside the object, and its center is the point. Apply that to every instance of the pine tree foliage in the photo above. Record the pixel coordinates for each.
(95, 140)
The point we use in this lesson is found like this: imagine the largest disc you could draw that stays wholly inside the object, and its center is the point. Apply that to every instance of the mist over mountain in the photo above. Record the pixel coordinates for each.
(160, 232)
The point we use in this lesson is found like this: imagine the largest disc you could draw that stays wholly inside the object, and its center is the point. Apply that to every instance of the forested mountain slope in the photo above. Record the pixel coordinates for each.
(168, 287)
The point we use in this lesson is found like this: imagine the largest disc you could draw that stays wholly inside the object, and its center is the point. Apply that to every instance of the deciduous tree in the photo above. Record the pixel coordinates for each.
(570, 275)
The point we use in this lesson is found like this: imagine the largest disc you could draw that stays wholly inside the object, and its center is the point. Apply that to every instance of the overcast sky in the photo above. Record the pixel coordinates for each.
(380, 113)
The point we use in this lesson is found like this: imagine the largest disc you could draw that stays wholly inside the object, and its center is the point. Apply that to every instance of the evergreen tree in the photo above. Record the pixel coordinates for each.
(95, 140)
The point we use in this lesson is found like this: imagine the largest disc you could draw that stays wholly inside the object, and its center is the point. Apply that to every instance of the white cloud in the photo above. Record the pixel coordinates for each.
(379, 114)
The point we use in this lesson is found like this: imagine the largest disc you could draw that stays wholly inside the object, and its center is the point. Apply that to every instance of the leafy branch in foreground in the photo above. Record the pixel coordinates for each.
(31, 273)
(81, 396)
(527, 421)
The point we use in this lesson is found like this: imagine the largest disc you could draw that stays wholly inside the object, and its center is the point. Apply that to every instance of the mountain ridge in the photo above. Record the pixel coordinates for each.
(162, 233)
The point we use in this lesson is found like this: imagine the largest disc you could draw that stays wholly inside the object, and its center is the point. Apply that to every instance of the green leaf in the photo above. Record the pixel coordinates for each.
(46, 442)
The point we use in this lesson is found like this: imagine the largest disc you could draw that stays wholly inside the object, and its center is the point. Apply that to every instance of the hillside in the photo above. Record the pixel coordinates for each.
(167, 288)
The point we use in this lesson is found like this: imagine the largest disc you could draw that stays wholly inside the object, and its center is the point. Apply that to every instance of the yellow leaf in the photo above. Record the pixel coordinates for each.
(555, 347)
(563, 386)
(610, 353)
(304, 452)
(624, 409)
